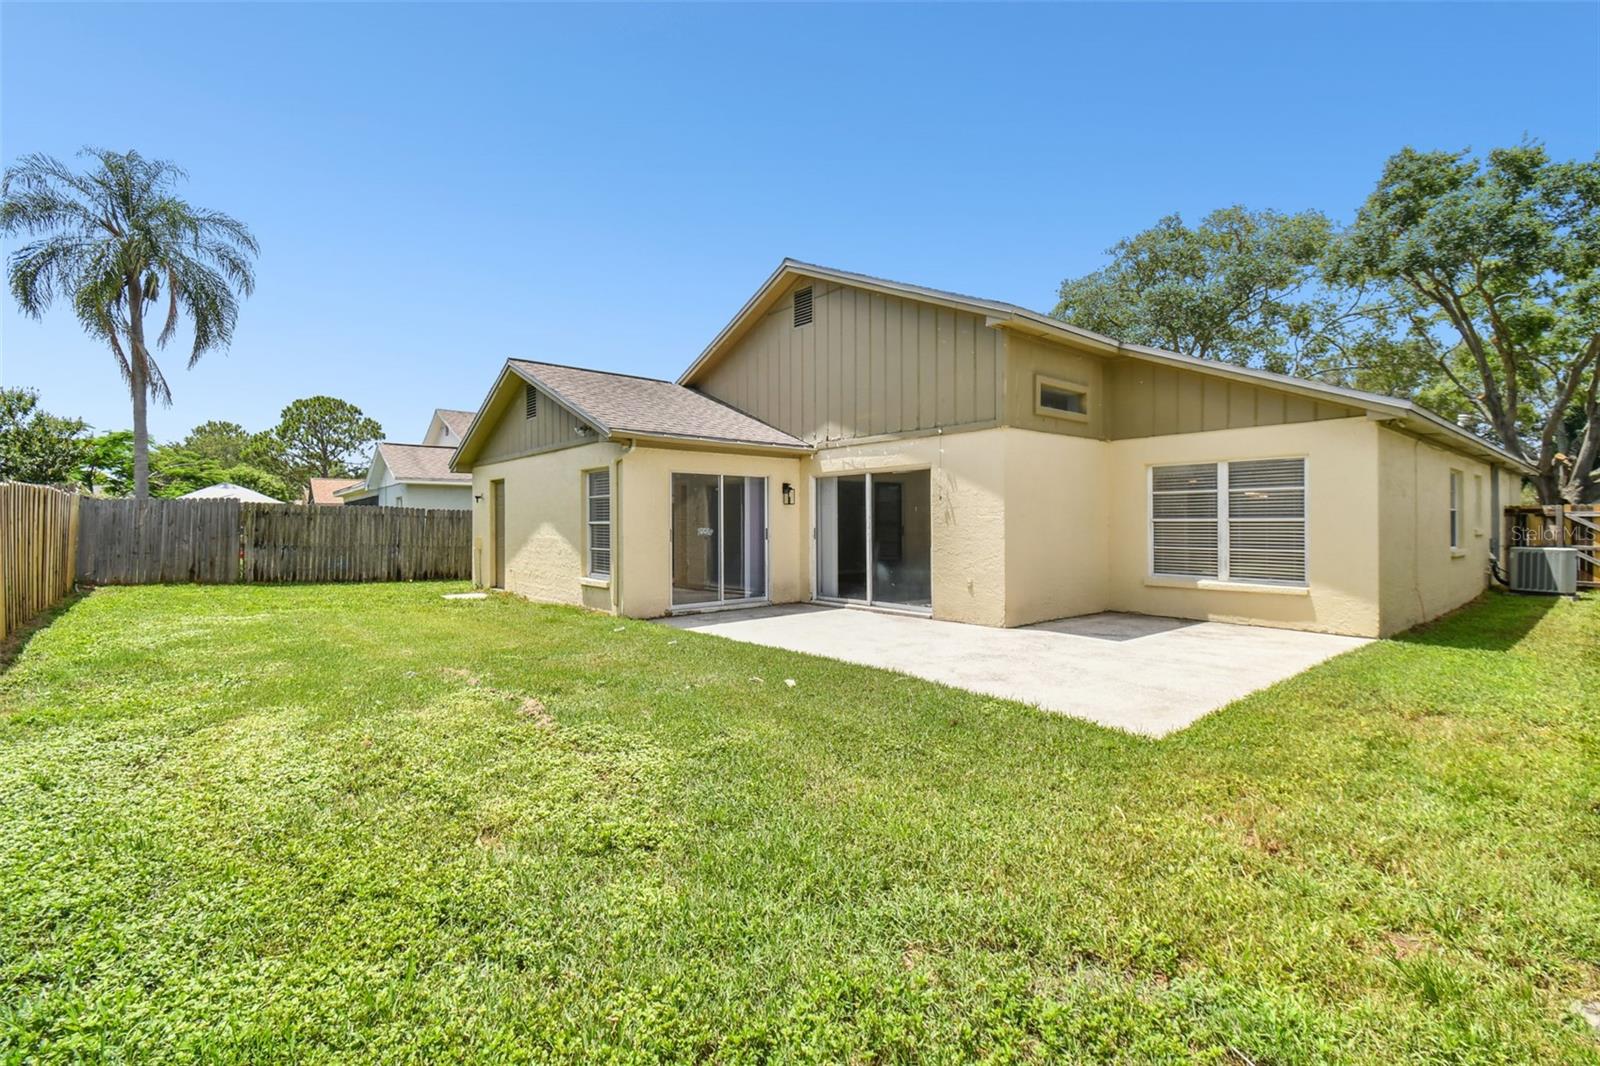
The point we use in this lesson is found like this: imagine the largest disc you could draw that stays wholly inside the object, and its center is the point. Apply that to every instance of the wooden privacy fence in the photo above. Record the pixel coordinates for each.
(151, 542)
(288, 543)
(1560, 527)
(38, 527)
(140, 542)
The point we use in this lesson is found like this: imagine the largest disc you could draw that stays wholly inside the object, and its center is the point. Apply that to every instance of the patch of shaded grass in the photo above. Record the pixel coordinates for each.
(323, 823)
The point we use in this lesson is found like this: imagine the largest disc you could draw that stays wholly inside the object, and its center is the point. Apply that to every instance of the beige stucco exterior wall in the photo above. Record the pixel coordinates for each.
(1422, 577)
(645, 499)
(967, 480)
(1342, 460)
(1058, 524)
(1030, 526)
(545, 535)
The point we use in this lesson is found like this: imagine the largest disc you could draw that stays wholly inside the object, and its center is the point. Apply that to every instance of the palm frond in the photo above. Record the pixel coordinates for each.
(114, 235)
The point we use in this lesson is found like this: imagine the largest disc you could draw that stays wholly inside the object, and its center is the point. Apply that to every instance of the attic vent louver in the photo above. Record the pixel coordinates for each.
(802, 306)
(531, 403)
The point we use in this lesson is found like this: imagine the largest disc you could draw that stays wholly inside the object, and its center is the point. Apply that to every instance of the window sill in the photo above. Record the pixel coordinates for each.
(1065, 416)
(595, 582)
(1213, 585)
(1457, 553)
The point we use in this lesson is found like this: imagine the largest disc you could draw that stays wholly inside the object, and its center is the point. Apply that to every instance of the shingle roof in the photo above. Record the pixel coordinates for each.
(323, 488)
(458, 421)
(623, 404)
(420, 462)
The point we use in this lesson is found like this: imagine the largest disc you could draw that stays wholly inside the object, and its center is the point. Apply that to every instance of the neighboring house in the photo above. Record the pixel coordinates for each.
(417, 475)
(847, 439)
(321, 490)
(227, 490)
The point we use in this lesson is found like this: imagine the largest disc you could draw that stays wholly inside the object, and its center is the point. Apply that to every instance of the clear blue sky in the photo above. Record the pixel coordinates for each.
(438, 188)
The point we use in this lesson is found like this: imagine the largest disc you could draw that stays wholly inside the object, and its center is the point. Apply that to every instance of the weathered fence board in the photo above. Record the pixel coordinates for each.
(129, 542)
(38, 527)
(282, 542)
(146, 542)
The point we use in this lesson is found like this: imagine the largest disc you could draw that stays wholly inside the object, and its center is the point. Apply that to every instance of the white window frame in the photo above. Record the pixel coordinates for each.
(1477, 505)
(1456, 486)
(590, 524)
(1044, 381)
(1224, 521)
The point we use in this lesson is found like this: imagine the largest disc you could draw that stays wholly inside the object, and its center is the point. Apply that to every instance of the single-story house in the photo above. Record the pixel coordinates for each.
(417, 475)
(322, 490)
(846, 439)
(227, 490)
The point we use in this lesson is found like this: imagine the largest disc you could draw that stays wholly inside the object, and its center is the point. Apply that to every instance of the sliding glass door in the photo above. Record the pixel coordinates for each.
(874, 541)
(719, 539)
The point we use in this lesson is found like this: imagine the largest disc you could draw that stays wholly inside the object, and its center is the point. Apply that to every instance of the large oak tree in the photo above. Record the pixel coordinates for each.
(1495, 264)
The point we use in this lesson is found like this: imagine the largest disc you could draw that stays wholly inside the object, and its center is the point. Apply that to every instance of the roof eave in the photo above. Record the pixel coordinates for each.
(1462, 440)
(725, 443)
(510, 368)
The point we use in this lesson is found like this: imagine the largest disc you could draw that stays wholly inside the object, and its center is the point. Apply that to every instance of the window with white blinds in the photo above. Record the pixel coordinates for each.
(1239, 521)
(598, 494)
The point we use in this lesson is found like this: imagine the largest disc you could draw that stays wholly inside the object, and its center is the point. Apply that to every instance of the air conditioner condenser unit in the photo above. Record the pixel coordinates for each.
(1553, 571)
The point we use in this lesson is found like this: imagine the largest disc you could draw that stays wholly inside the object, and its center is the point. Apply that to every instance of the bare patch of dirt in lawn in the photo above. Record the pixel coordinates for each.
(533, 708)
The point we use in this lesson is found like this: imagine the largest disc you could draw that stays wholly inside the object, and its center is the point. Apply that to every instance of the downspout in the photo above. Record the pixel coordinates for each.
(616, 527)
(1496, 523)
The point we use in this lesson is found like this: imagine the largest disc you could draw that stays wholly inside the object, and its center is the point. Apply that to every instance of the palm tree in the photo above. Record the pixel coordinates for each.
(116, 241)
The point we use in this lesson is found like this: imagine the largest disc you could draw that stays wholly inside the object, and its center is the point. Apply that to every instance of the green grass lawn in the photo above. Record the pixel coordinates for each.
(321, 823)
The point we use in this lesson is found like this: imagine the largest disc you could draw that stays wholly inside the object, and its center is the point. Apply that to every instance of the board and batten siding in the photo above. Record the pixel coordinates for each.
(514, 434)
(1030, 358)
(1148, 400)
(868, 364)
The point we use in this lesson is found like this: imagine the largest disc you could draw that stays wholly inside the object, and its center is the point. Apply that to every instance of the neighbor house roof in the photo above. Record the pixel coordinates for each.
(420, 462)
(227, 490)
(322, 489)
(623, 405)
(1404, 413)
(457, 421)
(412, 463)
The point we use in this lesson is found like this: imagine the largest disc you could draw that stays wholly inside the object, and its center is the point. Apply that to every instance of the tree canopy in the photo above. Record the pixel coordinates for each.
(108, 469)
(38, 446)
(1242, 287)
(1495, 265)
(323, 436)
(1471, 285)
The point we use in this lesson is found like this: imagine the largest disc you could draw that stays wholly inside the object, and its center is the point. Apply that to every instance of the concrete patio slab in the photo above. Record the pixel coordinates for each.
(1144, 675)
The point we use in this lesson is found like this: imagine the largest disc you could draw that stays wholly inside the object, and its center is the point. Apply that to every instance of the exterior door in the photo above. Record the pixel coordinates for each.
(874, 542)
(719, 540)
(497, 518)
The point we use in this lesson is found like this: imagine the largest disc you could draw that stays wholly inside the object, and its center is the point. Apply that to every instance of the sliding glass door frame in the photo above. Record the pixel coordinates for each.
(721, 603)
(871, 578)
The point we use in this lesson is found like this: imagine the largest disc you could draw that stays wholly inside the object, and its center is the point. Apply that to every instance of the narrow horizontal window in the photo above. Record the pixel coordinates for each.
(1060, 399)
